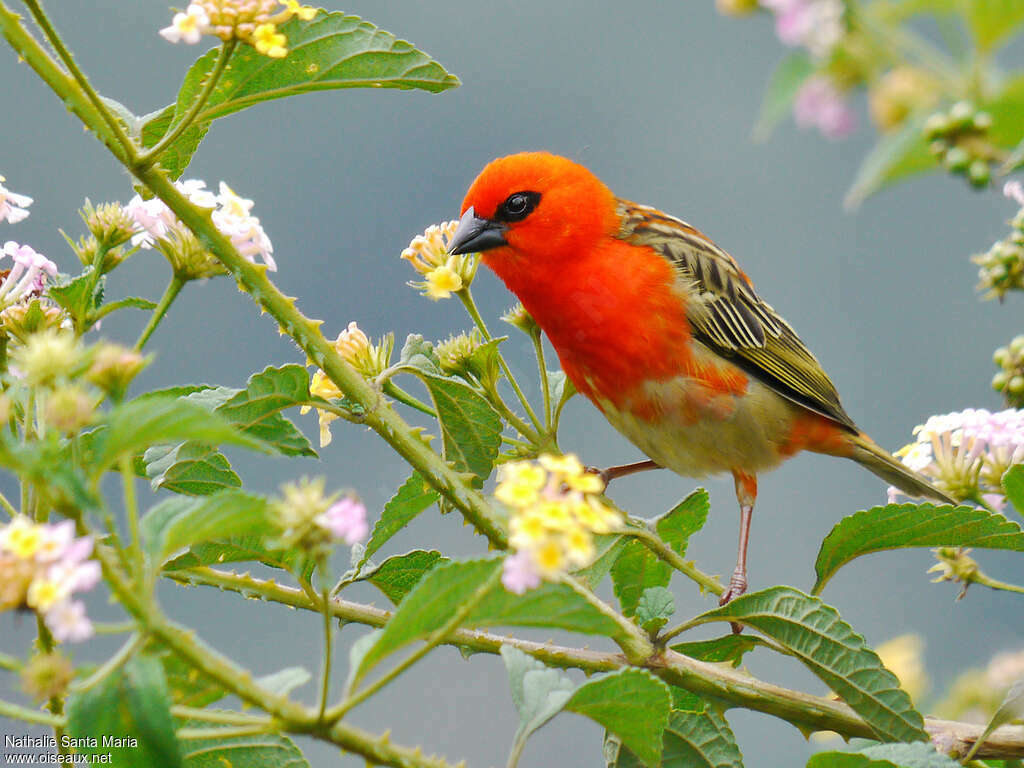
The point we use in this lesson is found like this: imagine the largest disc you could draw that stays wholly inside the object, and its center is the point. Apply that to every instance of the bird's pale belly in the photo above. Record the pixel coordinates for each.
(696, 433)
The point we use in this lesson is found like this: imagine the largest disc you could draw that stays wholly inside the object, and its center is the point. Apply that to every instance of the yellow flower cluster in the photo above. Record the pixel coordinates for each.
(254, 22)
(443, 274)
(556, 510)
(354, 348)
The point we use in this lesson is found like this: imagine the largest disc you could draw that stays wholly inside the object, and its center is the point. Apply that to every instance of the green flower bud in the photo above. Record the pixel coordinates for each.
(956, 159)
(49, 356)
(1016, 385)
(1001, 357)
(68, 409)
(1000, 380)
(47, 676)
(982, 121)
(961, 114)
(936, 126)
(939, 147)
(1017, 345)
(979, 173)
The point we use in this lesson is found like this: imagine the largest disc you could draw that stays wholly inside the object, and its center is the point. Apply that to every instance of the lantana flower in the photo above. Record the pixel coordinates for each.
(816, 25)
(443, 274)
(556, 510)
(42, 567)
(27, 276)
(12, 205)
(820, 104)
(311, 520)
(253, 22)
(967, 452)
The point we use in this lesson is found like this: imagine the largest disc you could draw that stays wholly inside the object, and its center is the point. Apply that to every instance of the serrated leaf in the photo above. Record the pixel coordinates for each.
(190, 468)
(814, 633)
(885, 756)
(470, 427)
(538, 692)
(130, 703)
(131, 302)
(654, 608)
(730, 648)
(180, 522)
(782, 88)
(332, 51)
(1012, 708)
(239, 549)
(684, 519)
(896, 526)
(399, 574)
(607, 548)
(993, 21)
(186, 685)
(134, 426)
(896, 155)
(412, 498)
(1013, 484)
(260, 750)
(442, 591)
(285, 681)
(79, 296)
(693, 739)
(631, 703)
(256, 410)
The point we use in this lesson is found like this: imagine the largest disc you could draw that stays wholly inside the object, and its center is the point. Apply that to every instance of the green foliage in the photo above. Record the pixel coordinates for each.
(693, 739)
(397, 575)
(1011, 709)
(813, 632)
(778, 97)
(186, 685)
(189, 468)
(730, 648)
(261, 750)
(913, 525)
(632, 704)
(81, 296)
(885, 756)
(256, 410)
(637, 568)
(333, 51)
(178, 522)
(897, 155)
(539, 693)
(654, 608)
(993, 21)
(1013, 484)
(238, 549)
(131, 703)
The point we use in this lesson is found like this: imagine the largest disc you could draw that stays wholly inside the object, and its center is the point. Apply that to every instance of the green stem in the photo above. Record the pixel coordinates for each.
(15, 712)
(8, 507)
(123, 142)
(654, 543)
(170, 294)
(517, 423)
(219, 716)
(466, 297)
(10, 663)
(436, 638)
(325, 680)
(110, 666)
(193, 734)
(223, 55)
(131, 510)
(393, 390)
(538, 348)
(988, 581)
(633, 641)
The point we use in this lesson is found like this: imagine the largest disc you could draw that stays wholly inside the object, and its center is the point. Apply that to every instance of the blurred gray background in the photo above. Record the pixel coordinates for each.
(658, 99)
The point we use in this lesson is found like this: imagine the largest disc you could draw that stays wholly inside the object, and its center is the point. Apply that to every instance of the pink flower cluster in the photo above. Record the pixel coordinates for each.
(42, 566)
(816, 25)
(231, 216)
(819, 104)
(28, 274)
(13, 205)
(345, 520)
(967, 452)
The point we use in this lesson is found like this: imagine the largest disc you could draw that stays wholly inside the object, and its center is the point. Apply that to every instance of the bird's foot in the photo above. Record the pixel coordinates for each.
(607, 475)
(737, 586)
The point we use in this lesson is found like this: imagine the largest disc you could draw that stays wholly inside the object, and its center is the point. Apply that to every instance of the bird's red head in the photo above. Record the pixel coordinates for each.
(533, 206)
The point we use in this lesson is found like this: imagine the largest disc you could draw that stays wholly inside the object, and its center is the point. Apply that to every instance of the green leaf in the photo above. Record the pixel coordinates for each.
(131, 302)
(1011, 709)
(607, 548)
(181, 522)
(260, 750)
(256, 410)
(637, 568)
(912, 525)
(131, 703)
(921, 755)
(285, 681)
(191, 468)
(441, 592)
(693, 739)
(80, 296)
(330, 52)
(412, 498)
(239, 549)
(1013, 484)
(814, 633)
(419, 355)
(896, 155)
(992, 21)
(397, 575)
(186, 685)
(780, 92)
(730, 648)
(654, 608)
(538, 692)
(631, 703)
(470, 426)
(134, 426)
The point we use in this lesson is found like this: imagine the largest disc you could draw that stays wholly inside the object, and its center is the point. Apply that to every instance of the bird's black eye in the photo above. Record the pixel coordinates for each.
(517, 206)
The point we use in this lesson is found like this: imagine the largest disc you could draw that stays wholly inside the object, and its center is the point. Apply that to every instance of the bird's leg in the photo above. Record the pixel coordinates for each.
(746, 494)
(623, 469)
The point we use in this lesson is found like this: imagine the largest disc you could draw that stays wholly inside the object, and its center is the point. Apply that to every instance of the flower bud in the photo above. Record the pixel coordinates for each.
(109, 223)
(23, 319)
(961, 114)
(455, 353)
(518, 317)
(47, 676)
(49, 356)
(68, 409)
(979, 173)
(114, 368)
(936, 126)
(900, 92)
(956, 159)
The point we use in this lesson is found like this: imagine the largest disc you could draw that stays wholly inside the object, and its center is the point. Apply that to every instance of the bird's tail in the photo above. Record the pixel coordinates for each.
(869, 454)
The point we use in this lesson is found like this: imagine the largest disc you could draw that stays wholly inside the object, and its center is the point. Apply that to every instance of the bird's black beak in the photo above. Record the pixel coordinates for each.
(474, 235)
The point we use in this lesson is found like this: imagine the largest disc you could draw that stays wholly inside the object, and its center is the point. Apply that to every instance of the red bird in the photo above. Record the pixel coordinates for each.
(662, 330)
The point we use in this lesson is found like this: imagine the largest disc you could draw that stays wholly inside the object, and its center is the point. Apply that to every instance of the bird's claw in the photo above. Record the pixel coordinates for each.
(737, 586)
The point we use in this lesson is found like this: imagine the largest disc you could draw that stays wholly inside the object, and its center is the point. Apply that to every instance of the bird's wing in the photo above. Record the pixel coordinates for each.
(728, 316)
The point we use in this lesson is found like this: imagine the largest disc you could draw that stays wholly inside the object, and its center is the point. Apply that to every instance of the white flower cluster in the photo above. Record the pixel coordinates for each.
(41, 567)
(967, 452)
(27, 276)
(231, 216)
